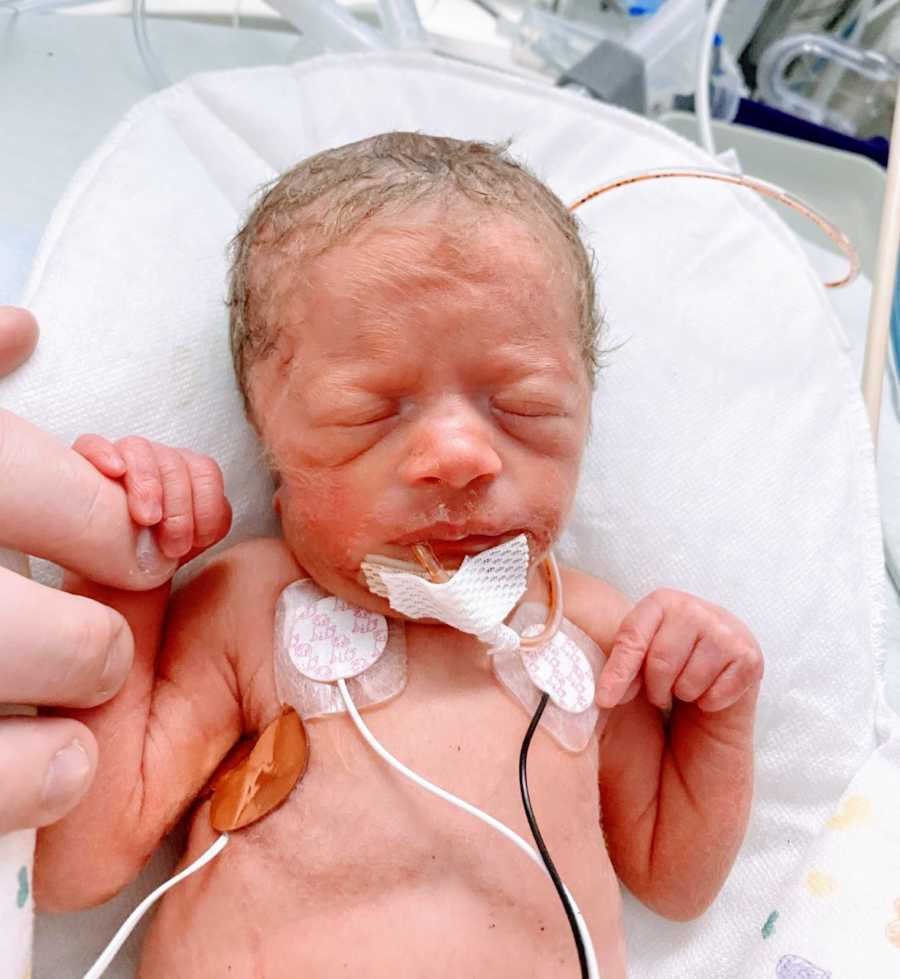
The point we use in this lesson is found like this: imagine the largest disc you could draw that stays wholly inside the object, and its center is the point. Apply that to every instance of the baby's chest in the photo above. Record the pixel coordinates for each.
(454, 725)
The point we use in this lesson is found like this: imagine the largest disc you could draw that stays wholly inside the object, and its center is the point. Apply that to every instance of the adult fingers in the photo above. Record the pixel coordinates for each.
(18, 337)
(100, 452)
(59, 649)
(143, 481)
(46, 765)
(54, 504)
(630, 645)
(176, 532)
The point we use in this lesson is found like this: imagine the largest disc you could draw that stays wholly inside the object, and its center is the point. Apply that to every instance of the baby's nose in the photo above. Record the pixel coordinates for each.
(453, 447)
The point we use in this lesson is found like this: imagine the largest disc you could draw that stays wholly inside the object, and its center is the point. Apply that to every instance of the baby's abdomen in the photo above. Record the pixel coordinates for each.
(361, 873)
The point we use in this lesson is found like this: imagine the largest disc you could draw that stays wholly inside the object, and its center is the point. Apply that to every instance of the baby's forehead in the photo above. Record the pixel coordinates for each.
(431, 250)
(406, 287)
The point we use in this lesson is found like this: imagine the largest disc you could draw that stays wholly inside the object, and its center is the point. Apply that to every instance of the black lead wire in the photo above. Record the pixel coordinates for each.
(539, 840)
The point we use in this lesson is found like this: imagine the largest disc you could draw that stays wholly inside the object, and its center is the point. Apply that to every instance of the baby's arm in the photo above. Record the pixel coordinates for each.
(193, 690)
(675, 794)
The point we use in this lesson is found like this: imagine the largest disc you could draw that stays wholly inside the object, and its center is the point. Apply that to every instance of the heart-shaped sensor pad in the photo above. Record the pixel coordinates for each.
(560, 669)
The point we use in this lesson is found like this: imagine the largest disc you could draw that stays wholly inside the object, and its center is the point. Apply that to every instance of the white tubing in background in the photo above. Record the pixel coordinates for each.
(701, 89)
(883, 282)
(148, 55)
(109, 953)
(330, 25)
(513, 837)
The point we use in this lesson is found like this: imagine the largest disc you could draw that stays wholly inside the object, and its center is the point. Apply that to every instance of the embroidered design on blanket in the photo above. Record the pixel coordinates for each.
(793, 967)
(856, 810)
(892, 930)
(820, 884)
(768, 929)
(22, 894)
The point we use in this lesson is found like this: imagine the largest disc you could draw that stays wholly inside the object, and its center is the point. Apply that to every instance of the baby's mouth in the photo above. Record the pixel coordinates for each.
(451, 544)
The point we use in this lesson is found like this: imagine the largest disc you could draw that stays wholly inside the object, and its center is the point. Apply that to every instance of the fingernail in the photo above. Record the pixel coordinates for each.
(66, 775)
(149, 557)
(153, 513)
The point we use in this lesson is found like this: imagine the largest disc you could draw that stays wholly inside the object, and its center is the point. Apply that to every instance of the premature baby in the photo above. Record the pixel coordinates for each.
(414, 333)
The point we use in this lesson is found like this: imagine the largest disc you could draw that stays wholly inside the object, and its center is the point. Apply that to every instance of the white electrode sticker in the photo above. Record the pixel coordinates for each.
(334, 640)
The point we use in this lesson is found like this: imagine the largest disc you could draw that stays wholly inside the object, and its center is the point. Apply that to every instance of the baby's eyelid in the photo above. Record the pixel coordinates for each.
(529, 408)
(366, 422)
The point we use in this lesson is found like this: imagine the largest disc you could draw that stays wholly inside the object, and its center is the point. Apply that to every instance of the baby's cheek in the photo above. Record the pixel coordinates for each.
(550, 495)
(320, 518)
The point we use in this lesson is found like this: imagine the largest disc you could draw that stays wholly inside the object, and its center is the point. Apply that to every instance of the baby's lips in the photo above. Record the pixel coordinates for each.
(259, 779)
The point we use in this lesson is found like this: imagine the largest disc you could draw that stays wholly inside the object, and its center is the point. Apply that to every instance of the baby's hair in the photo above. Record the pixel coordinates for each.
(325, 198)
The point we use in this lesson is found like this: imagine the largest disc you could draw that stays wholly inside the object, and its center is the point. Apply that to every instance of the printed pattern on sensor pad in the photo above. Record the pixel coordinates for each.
(570, 730)
(325, 638)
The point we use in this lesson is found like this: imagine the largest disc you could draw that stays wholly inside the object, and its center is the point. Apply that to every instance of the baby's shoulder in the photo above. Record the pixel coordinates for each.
(245, 580)
(593, 605)
(262, 555)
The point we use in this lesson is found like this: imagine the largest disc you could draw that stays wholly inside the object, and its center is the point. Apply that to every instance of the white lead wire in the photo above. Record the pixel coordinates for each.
(513, 837)
(127, 927)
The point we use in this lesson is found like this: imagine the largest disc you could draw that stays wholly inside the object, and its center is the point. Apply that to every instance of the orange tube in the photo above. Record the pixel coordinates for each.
(429, 561)
(753, 183)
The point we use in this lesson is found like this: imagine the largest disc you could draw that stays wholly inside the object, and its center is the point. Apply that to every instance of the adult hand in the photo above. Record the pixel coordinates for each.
(56, 649)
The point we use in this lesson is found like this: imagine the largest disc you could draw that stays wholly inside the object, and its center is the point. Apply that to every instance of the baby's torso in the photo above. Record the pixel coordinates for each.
(362, 873)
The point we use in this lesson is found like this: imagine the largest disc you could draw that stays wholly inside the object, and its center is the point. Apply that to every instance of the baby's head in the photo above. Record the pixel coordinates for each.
(413, 329)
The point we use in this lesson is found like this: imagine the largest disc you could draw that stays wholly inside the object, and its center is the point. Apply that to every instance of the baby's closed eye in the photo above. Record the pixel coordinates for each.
(529, 407)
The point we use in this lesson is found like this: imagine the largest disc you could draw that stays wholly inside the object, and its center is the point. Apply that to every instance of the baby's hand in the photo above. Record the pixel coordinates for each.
(179, 492)
(680, 646)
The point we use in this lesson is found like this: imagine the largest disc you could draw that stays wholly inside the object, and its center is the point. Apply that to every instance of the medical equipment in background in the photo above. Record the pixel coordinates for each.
(815, 54)
(641, 55)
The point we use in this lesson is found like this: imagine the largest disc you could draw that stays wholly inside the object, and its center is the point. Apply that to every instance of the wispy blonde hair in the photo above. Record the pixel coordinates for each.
(325, 198)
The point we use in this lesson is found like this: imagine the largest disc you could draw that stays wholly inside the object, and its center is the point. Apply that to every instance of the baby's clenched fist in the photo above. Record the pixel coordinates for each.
(680, 647)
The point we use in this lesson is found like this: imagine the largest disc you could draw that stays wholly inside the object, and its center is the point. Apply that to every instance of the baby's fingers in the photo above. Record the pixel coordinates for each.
(629, 648)
(672, 648)
(101, 454)
(212, 511)
(176, 532)
(702, 669)
(742, 674)
(142, 481)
